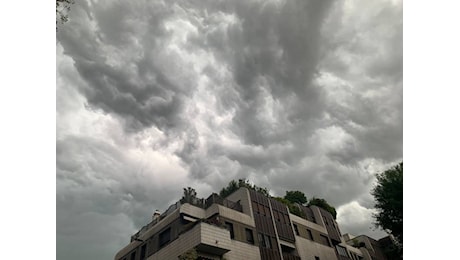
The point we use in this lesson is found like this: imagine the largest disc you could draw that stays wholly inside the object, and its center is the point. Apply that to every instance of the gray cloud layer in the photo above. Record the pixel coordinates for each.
(153, 96)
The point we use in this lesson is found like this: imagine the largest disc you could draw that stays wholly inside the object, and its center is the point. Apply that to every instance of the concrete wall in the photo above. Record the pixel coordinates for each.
(307, 223)
(153, 230)
(191, 210)
(242, 194)
(352, 249)
(202, 233)
(236, 216)
(318, 216)
(308, 250)
(241, 250)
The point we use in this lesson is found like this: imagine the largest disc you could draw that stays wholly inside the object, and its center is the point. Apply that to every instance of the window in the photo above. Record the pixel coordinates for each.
(264, 241)
(230, 228)
(341, 250)
(316, 257)
(165, 237)
(296, 229)
(268, 243)
(325, 240)
(143, 251)
(261, 240)
(133, 255)
(309, 234)
(249, 236)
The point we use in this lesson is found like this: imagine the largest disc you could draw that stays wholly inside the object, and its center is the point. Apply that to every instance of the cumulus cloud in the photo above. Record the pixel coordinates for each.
(357, 220)
(159, 95)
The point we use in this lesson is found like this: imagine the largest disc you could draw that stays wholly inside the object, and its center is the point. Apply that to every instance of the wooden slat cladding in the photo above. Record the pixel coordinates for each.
(290, 257)
(269, 254)
(308, 214)
(282, 220)
(331, 226)
(264, 225)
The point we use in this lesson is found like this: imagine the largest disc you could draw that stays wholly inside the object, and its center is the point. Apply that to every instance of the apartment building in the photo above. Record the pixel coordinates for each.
(371, 249)
(244, 225)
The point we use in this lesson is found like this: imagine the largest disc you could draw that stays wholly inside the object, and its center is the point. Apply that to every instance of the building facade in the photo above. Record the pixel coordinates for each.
(244, 225)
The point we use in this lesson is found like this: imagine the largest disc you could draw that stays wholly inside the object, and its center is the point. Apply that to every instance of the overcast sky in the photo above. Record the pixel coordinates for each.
(154, 96)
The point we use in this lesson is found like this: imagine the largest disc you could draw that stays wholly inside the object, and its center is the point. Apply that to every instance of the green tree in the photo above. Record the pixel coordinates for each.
(189, 196)
(322, 203)
(293, 207)
(235, 185)
(296, 197)
(231, 187)
(388, 195)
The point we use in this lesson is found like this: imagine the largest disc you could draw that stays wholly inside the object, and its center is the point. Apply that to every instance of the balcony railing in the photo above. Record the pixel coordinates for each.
(144, 229)
(201, 203)
(216, 199)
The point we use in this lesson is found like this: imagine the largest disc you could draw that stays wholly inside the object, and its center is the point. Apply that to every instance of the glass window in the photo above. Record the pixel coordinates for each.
(296, 229)
(143, 249)
(165, 237)
(261, 240)
(264, 241)
(230, 228)
(309, 234)
(249, 236)
(325, 240)
(268, 243)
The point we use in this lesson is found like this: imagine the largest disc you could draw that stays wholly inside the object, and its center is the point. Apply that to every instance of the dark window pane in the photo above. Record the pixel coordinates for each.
(230, 228)
(296, 229)
(249, 236)
(325, 240)
(165, 237)
(268, 243)
(309, 234)
(261, 240)
(143, 251)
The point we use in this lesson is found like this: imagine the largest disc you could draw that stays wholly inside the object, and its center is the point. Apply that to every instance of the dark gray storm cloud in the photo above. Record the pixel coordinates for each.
(153, 96)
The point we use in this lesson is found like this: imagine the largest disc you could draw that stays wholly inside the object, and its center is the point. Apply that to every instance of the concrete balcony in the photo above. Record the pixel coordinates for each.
(205, 238)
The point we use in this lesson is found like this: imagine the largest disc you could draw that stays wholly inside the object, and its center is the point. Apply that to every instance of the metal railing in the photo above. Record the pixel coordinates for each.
(201, 203)
(144, 229)
(216, 199)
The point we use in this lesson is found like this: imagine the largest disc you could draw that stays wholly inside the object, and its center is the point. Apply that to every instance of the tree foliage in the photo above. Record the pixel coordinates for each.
(293, 207)
(393, 251)
(189, 196)
(296, 197)
(388, 195)
(322, 203)
(235, 185)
